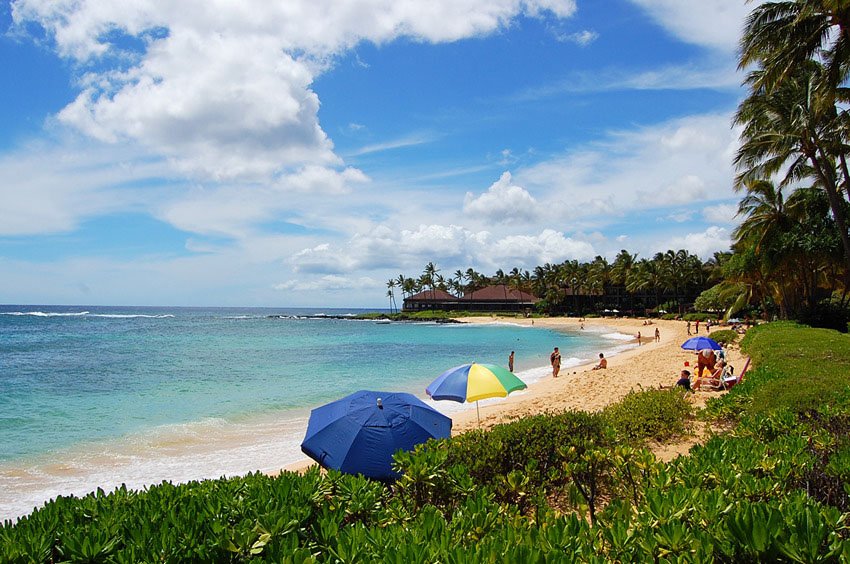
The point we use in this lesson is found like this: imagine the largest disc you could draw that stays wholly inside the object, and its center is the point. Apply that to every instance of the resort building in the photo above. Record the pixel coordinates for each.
(497, 297)
(430, 299)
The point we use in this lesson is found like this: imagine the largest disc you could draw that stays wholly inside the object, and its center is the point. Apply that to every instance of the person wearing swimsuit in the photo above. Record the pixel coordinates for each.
(555, 359)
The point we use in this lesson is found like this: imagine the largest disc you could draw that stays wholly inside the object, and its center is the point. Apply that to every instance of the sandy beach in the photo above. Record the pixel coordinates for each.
(650, 365)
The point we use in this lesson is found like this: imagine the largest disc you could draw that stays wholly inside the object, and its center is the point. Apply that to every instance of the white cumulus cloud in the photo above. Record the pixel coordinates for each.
(327, 283)
(222, 88)
(682, 162)
(687, 20)
(503, 201)
(703, 244)
(721, 213)
(386, 248)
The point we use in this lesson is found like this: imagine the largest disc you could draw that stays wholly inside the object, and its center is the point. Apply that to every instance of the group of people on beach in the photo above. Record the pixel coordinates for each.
(708, 325)
(555, 356)
(714, 363)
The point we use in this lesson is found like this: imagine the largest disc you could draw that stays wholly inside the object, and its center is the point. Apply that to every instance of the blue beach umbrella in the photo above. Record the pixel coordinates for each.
(473, 382)
(359, 433)
(701, 343)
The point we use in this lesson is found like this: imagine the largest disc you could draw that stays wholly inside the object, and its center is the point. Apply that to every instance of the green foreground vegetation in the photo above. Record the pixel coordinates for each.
(771, 484)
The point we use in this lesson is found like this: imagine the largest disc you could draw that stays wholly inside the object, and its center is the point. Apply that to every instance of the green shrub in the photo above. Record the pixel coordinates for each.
(724, 336)
(699, 316)
(649, 414)
(528, 441)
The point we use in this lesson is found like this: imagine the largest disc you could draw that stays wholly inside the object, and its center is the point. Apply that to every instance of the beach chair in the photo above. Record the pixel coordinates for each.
(731, 381)
(715, 381)
(725, 380)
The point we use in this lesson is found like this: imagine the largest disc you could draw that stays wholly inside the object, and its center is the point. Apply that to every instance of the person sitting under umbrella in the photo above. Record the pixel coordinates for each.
(705, 359)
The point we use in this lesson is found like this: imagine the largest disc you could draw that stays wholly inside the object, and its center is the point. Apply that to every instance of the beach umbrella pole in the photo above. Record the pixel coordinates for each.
(478, 412)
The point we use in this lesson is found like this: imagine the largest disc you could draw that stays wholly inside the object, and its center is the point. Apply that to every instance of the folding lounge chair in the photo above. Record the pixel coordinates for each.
(731, 380)
(713, 382)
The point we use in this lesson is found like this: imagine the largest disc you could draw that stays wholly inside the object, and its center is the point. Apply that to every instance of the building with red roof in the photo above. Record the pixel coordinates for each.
(498, 297)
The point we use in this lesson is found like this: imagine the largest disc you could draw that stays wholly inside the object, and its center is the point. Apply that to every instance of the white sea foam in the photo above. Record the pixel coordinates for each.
(130, 315)
(85, 314)
(45, 314)
(510, 324)
(618, 336)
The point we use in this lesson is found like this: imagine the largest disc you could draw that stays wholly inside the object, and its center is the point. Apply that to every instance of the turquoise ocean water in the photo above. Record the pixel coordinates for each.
(99, 396)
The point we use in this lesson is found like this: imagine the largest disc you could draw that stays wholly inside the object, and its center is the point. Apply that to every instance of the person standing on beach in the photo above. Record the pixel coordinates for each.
(555, 359)
(657, 335)
(638, 338)
(696, 327)
(511, 362)
(689, 328)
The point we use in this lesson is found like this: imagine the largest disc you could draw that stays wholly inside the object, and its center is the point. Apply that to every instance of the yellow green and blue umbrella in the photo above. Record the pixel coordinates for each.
(473, 382)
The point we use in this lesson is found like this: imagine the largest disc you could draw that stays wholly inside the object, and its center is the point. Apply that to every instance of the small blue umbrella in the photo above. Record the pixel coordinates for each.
(701, 343)
(359, 433)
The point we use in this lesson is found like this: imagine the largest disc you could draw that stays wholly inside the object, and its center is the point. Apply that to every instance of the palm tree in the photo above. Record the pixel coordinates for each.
(429, 277)
(765, 224)
(778, 36)
(391, 294)
(525, 281)
(763, 210)
(473, 279)
(623, 263)
(502, 279)
(620, 269)
(458, 282)
(408, 286)
(793, 119)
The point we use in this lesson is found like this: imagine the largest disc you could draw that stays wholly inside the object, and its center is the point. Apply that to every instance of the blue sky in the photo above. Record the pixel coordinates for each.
(301, 153)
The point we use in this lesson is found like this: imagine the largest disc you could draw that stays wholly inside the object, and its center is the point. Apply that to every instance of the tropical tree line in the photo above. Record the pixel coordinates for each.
(671, 280)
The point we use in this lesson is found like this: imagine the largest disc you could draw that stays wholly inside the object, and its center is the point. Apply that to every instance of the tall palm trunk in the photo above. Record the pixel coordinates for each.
(836, 203)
